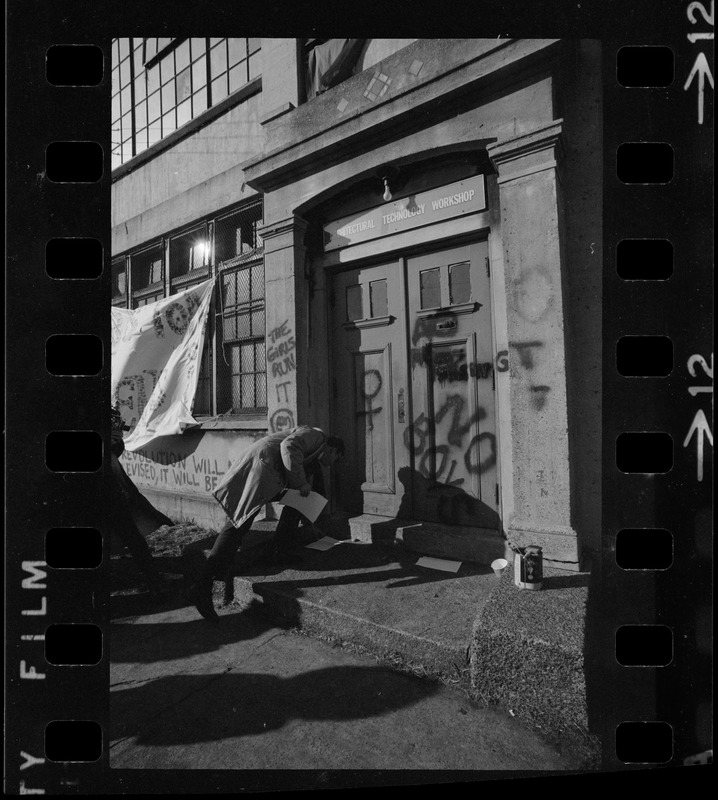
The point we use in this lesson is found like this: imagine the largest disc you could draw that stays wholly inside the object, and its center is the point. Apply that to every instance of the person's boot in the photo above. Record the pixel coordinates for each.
(285, 539)
(201, 575)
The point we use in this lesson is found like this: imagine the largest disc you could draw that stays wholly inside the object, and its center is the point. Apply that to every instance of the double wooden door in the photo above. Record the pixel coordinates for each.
(413, 387)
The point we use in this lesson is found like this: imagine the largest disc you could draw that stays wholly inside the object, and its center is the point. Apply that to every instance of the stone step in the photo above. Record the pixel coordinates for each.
(456, 542)
(375, 598)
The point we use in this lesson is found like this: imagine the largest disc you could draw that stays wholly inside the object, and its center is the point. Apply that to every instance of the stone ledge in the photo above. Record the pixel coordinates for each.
(527, 656)
(458, 542)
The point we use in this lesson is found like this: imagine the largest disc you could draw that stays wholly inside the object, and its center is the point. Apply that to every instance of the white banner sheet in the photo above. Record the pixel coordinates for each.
(156, 353)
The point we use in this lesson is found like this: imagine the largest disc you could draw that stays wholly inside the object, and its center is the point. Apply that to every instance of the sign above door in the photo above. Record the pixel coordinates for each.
(414, 211)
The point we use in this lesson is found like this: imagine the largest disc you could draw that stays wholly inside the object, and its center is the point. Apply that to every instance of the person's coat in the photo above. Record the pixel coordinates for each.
(269, 466)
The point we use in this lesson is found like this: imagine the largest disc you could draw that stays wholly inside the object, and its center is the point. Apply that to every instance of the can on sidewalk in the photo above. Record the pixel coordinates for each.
(528, 568)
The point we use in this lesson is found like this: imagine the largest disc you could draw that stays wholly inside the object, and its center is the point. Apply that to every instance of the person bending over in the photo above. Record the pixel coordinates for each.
(290, 459)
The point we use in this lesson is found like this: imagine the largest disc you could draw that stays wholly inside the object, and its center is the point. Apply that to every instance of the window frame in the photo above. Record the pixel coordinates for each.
(152, 86)
(248, 260)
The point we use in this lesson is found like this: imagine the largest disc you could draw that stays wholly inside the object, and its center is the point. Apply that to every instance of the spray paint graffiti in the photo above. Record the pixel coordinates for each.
(281, 420)
(280, 354)
(527, 358)
(533, 293)
(173, 471)
(450, 366)
(439, 462)
(369, 389)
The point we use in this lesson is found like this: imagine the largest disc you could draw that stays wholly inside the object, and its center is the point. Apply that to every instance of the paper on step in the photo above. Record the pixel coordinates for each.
(439, 563)
(310, 506)
(325, 543)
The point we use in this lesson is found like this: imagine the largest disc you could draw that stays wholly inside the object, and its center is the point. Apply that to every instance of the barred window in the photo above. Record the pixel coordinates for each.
(241, 318)
(232, 378)
(159, 85)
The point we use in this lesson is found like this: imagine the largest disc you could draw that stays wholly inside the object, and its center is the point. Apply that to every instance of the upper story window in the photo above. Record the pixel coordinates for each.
(159, 85)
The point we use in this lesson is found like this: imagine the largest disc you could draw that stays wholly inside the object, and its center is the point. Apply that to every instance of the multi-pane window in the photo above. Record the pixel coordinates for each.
(146, 276)
(232, 376)
(241, 317)
(189, 257)
(159, 85)
(119, 282)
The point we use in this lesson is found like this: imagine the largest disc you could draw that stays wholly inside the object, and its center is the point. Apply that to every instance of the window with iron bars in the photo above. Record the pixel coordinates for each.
(232, 379)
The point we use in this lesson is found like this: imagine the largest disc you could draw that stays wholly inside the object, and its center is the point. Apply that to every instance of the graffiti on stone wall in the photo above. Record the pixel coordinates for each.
(281, 363)
(533, 293)
(281, 420)
(280, 353)
(170, 470)
(528, 356)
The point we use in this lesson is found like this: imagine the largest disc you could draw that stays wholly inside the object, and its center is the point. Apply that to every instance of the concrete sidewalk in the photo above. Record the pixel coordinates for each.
(354, 658)
(245, 694)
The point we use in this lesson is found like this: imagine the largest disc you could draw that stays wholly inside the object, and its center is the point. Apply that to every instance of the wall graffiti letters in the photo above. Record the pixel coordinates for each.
(282, 393)
(280, 353)
(502, 361)
(281, 362)
(281, 420)
(525, 351)
(169, 470)
(539, 396)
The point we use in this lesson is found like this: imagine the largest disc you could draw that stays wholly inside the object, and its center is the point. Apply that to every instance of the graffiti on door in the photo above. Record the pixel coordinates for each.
(444, 447)
(368, 390)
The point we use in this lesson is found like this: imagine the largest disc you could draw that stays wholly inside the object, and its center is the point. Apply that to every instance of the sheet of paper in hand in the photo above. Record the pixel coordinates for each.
(310, 506)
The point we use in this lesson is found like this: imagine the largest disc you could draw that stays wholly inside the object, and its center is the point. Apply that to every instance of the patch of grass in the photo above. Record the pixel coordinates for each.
(171, 540)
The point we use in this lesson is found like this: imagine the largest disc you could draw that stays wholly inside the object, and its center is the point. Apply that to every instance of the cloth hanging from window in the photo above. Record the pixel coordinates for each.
(156, 358)
(331, 63)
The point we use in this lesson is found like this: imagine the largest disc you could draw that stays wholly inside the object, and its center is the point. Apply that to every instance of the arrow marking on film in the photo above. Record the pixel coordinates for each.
(701, 68)
(700, 425)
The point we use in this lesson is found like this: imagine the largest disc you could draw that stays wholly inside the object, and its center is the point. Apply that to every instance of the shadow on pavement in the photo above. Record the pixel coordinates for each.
(186, 709)
(357, 564)
(147, 642)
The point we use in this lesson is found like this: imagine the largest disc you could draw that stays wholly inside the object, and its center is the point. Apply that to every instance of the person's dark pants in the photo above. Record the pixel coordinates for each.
(230, 538)
(136, 543)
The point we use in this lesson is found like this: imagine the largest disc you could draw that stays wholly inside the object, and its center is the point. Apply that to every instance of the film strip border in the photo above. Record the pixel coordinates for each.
(658, 379)
(58, 420)
(58, 417)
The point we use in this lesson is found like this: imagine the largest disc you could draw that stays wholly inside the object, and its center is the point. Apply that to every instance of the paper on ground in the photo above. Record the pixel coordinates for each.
(311, 505)
(325, 543)
(439, 563)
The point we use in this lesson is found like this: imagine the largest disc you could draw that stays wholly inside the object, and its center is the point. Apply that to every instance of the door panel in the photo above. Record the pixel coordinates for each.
(369, 385)
(453, 430)
(418, 420)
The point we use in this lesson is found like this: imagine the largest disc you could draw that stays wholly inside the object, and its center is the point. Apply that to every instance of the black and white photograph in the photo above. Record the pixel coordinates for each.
(394, 464)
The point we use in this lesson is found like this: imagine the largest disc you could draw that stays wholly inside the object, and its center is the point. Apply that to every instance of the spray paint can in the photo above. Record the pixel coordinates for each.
(528, 568)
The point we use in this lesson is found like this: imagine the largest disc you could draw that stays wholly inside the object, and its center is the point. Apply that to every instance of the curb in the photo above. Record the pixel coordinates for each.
(395, 648)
